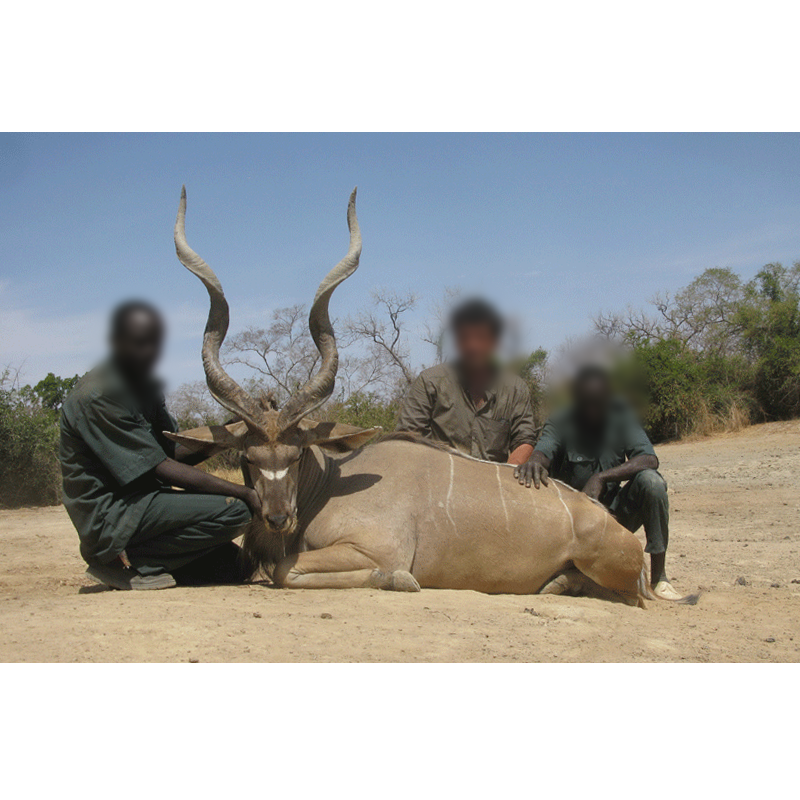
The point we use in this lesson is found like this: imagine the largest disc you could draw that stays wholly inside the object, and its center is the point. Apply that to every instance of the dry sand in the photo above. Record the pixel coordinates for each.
(735, 515)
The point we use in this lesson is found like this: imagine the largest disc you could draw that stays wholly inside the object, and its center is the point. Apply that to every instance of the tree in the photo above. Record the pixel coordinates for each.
(533, 370)
(770, 321)
(51, 392)
(435, 330)
(282, 355)
(383, 328)
(193, 406)
(703, 316)
(29, 472)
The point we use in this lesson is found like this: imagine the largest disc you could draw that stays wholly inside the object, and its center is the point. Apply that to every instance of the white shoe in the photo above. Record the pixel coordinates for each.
(665, 591)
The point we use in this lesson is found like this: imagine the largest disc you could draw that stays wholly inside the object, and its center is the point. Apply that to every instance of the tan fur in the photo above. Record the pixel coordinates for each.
(448, 522)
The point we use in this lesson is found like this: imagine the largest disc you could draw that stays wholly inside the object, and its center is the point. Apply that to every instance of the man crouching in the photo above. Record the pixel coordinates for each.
(137, 531)
(596, 446)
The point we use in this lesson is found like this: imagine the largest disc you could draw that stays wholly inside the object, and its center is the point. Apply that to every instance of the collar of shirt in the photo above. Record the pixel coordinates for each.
(151, 389)
(490, 391)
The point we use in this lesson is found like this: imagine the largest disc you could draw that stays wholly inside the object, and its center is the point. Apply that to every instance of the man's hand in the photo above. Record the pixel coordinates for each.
(520, 455)
(250, 496)
(594, 487)
(532, 470)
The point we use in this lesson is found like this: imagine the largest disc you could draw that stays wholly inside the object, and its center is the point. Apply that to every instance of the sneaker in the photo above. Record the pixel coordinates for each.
(665, 591)
(115, 576)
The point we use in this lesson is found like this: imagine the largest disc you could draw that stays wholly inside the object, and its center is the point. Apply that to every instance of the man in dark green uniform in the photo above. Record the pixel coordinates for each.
(595, 446)
(472, 404)
(119, 472)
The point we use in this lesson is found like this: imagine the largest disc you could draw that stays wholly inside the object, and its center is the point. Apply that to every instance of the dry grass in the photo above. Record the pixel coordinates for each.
(707, 423)
(232, 475)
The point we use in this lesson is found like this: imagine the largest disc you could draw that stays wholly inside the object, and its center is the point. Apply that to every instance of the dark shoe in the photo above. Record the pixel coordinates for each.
(161, 581)
(115, 576)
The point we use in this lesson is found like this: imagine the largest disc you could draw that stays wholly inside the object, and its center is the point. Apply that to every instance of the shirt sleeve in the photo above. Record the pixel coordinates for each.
(637, 443)
(523, 430)
(416, 409)
(165, 422)
(120, 439)
(550, 441)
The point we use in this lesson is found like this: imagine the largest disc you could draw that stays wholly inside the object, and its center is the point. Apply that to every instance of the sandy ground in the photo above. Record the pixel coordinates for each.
(735, 516)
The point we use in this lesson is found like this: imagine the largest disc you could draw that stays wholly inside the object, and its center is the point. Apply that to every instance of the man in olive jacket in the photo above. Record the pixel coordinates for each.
(119, 471)
(473, 405)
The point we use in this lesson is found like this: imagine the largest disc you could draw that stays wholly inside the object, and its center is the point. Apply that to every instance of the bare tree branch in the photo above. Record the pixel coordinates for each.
(383, 327)
(436, 326)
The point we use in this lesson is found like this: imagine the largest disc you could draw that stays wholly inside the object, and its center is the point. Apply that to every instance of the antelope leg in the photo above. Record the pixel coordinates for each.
(338, 567)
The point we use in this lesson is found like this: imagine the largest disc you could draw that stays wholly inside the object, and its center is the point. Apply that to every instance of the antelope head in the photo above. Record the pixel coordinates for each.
(271, 441)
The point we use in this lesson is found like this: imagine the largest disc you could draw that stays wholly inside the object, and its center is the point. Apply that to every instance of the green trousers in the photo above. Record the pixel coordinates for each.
(178, 528)
(643, 501)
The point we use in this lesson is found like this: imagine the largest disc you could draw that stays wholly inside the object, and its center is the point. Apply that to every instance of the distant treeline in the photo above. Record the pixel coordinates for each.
(717, 355)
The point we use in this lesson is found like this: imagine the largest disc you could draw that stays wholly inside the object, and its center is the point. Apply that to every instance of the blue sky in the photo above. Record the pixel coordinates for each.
(552, 227)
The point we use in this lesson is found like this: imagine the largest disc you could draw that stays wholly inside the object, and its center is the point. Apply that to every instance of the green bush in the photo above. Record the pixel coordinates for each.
(533, 370)
(365, 410)
(682, 392)
(770, 321)
(29, 471)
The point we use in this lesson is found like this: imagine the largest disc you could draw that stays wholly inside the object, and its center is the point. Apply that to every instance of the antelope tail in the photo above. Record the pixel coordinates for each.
(646, 592)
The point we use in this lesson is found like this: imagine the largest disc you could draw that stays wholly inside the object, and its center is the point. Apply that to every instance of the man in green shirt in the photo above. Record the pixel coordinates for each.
(119, 474)
(595, 446)
(473, 405)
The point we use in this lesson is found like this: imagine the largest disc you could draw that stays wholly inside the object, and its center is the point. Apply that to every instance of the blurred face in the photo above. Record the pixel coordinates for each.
(592, 396)
(138, 345)
(476, 345)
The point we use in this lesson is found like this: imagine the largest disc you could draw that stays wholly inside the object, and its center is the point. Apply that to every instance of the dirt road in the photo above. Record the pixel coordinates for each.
(735, 515)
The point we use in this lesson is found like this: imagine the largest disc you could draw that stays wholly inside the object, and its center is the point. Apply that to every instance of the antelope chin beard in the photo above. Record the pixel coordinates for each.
(286, 530)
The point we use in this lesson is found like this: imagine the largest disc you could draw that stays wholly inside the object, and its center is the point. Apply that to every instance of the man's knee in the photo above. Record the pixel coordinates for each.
(236, 513)
(650, 486)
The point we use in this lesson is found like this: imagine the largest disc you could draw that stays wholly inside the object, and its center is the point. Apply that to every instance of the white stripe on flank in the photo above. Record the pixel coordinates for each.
(566, 508)
(450, 494)
(274, 476)
(531, 491)
(566, 485)
(502, 498)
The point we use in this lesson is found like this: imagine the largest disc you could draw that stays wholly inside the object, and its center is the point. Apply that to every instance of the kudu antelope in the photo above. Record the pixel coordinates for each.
(400, 514)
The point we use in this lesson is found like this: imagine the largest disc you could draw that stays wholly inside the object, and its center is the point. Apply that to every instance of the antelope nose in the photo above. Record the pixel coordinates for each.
(277, 521)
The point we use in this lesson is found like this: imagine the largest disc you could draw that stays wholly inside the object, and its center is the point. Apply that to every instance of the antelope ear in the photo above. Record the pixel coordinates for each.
(335, 435)
(210, 437)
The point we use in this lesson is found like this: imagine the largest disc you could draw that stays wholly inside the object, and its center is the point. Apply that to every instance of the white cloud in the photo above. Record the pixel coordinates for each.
(67, 344)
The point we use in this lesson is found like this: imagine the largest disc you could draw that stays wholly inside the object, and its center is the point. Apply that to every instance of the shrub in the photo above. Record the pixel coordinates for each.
(365, 410)
(771, 332)
(681, 392)
(29, 471)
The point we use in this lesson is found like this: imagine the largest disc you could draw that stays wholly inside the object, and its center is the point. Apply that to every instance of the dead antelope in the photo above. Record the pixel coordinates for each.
(401, 514)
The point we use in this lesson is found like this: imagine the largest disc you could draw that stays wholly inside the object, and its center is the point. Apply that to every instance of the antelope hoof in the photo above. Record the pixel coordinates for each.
(568, 583)
(380, 580)
(403, 581)
(398, 581)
